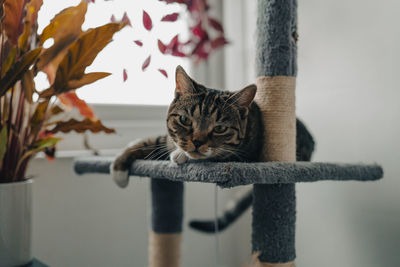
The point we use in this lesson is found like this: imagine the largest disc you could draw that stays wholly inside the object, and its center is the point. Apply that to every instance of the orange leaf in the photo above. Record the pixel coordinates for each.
(64, 28)
(67, 22)
(50, 70)
(82, 53)
(80, 126)
(29, 32)
(70, 99)
(13, 16)
(28, 85)
(87, 79)
(55, 53)
(32, 9)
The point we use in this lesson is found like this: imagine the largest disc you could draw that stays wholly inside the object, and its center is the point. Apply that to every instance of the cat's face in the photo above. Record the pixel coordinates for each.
(207, 123)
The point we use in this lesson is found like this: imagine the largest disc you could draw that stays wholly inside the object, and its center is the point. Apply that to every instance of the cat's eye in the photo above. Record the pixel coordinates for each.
(220, 129)
(185, 120)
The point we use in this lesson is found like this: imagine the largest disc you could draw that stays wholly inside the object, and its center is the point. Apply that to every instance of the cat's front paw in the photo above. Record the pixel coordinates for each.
(119, 174)
(178, 156)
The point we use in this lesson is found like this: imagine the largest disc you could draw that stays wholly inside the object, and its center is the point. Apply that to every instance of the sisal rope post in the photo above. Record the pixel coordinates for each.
(166, 221)
(274, 206)
(165, 250)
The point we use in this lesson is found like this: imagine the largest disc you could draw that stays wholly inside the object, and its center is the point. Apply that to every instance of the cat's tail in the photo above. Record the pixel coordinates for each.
(235, 208)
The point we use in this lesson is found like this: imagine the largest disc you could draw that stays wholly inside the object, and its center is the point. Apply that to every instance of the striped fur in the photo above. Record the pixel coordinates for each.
(208, 124)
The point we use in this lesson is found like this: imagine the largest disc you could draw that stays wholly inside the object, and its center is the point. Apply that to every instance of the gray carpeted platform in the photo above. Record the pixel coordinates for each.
(230, 174)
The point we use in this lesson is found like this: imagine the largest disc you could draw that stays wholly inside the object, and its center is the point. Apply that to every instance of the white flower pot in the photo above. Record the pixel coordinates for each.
(15, 223)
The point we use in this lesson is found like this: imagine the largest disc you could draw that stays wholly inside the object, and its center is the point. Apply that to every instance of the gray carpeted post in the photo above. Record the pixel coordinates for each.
(167, 206)
(274, 206)
(166, 219)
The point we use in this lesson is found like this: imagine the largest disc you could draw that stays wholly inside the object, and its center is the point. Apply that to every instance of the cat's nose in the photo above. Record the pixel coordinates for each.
(197, 143)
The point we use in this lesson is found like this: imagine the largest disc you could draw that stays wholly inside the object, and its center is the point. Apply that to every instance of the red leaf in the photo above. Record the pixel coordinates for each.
(146, 63)
(178, 54)
(126, 20)
(147, 23)
(215, 24)
(162, 47)
(173, 43)
(70, 99)
(170, 17)
(163, 72)
(125, 75)
(173, 48)
(112, 19)
(201, 50)
(217, 42)
(199, 6)
(139, 43)
(199, 31)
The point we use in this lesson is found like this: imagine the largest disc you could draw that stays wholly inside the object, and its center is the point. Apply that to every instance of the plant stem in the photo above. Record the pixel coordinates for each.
(2, 46)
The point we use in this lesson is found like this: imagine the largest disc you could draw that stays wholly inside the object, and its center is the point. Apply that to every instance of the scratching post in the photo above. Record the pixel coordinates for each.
(274, 206)
(166, 218)
(274, 199)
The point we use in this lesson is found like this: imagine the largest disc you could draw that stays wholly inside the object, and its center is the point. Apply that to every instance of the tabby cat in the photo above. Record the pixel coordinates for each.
(208, 124)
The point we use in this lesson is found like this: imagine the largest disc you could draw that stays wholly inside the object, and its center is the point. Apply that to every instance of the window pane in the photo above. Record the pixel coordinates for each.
(148, 87)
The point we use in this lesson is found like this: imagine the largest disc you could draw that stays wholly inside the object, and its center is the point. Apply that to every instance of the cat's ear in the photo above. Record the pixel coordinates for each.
(244, 97)
(184, 84)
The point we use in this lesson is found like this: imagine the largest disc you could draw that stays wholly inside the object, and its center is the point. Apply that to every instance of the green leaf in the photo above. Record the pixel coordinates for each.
(87, 79)
(9, 60)
(82, 53)
(37, 147)
(17, 70)
(3, 142)
(44, 143)
(38, 116)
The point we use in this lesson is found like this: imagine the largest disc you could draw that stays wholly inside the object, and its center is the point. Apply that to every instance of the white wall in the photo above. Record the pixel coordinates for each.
(348, 96)
(89, 221)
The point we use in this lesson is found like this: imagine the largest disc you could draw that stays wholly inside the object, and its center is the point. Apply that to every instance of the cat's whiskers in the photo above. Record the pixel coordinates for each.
(232, 103)
(156, 152)
(241, 155)
(147, 147)
(164, 154)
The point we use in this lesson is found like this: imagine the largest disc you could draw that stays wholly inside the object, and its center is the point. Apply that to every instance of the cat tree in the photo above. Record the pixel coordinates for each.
(274, 202)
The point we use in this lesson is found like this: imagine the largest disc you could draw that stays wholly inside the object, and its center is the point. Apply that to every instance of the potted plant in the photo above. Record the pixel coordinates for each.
(29, 119)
